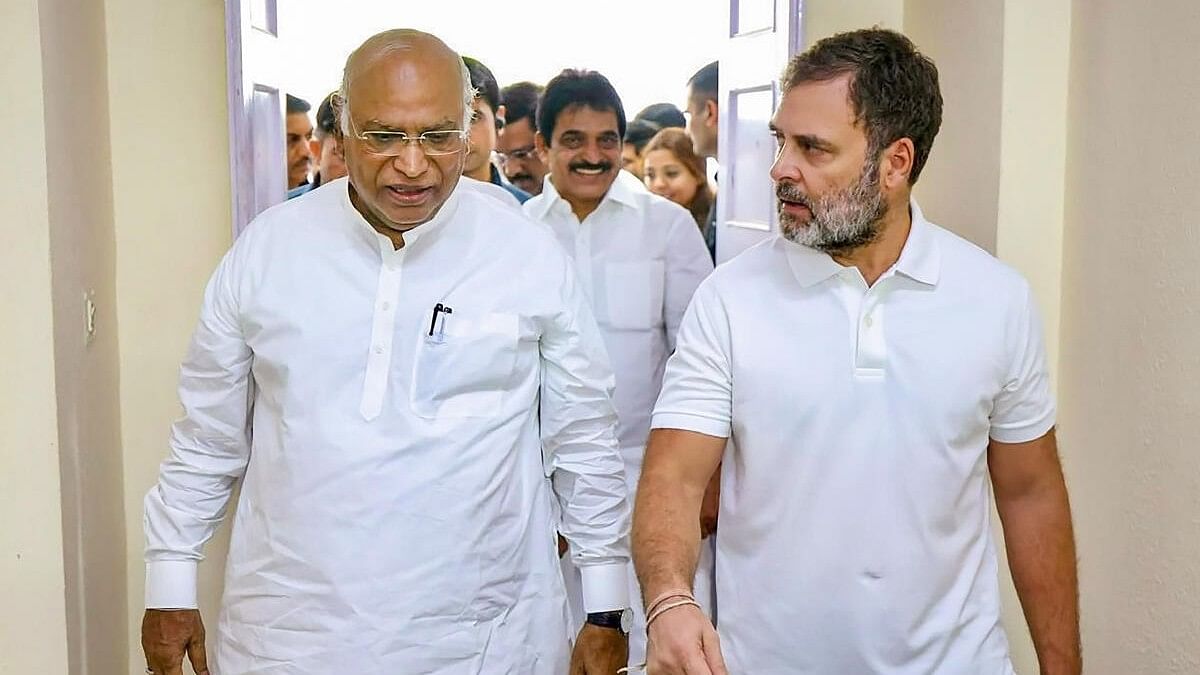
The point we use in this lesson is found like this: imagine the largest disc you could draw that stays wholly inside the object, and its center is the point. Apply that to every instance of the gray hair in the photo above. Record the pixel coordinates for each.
(382, 44)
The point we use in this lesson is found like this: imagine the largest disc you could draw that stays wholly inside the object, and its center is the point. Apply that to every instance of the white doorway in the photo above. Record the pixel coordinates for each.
(647, 49)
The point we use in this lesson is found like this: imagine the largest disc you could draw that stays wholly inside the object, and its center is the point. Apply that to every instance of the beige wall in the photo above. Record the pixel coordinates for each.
(1130, 366)
(33, 628)
(822, 18)
(170, 168)
(959, 188)
(82, 259)
(1033, 151)
(1029, 200)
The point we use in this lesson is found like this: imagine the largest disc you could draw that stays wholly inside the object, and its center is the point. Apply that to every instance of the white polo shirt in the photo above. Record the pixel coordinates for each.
(855, 523)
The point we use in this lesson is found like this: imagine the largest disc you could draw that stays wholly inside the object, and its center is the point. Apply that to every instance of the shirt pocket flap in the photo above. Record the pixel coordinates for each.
(633, 294)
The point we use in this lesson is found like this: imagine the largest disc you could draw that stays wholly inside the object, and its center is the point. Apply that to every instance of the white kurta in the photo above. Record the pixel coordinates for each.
(395, 513)
(855, 514)
(640, 258)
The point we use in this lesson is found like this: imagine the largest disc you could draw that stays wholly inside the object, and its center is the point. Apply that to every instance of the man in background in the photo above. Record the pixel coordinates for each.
(326, 147)
(518, 159)
(637, 135)
(299, 131)
(703, 121)
(487, 119)
(663, 114)
(639, 258)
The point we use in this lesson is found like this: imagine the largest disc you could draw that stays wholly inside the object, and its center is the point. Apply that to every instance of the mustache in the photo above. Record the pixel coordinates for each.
(790, 193)
(588, 166)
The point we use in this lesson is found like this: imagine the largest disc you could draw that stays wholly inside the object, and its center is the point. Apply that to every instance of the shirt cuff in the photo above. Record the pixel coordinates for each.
(689, 422)
(605, 587)
(171, 584)
(1026, 431)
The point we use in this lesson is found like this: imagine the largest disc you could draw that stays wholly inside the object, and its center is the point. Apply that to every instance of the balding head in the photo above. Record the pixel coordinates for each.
(401, 45)
(406, 109)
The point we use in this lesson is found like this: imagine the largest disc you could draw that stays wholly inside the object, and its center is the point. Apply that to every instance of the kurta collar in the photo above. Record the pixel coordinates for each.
(439, 219)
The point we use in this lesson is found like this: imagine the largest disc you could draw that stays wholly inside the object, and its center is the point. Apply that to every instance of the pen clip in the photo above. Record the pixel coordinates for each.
(437, 309)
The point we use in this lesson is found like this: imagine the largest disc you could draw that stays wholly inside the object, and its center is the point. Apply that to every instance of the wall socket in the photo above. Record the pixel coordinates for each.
(89, 315)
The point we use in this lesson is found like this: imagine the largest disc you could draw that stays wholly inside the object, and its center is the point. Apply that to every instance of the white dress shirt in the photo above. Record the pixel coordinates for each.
(855, 521)
(640, 257)
(396, 513)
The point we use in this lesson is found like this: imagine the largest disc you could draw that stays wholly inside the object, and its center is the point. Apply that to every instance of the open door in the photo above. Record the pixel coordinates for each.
(258, 165)
(763, 35)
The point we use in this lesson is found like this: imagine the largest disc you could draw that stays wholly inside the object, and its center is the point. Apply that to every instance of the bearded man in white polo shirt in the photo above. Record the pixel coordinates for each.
(639, 256)
(880, 377)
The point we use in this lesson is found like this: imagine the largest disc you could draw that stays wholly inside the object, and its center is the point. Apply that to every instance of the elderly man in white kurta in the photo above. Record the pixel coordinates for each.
(405, 376)
(880, 377)
(639, 256)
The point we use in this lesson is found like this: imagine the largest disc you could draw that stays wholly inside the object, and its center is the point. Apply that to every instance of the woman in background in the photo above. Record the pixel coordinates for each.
(671, 168)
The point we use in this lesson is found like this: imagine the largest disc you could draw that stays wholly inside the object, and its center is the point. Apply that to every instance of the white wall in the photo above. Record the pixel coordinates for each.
(960, 185)
(82, 260)
(171, 206)
(33, 627)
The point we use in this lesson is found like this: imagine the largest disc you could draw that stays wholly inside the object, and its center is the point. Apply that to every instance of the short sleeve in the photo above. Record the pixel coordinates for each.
(1024, 408)
(697, 392)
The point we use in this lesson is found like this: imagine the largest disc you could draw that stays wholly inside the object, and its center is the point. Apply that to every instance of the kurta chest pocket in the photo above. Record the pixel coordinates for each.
(633, 294)
(465, 367)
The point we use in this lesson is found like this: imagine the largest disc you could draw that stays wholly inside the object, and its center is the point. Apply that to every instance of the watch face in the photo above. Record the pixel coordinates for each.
(627, 621)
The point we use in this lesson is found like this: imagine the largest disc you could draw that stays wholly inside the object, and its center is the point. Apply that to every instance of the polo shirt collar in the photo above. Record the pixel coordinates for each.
(920, 259)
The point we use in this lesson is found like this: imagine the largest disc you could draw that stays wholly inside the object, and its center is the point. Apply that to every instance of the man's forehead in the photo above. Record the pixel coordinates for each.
(298, 122)
(405, 72)
(817, 108)
(399, 101)
(577, 116)
(515, 135)
(519, 127)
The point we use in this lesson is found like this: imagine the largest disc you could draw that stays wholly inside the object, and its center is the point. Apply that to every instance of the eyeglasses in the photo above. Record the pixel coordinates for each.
(393, 143)
(519, 155)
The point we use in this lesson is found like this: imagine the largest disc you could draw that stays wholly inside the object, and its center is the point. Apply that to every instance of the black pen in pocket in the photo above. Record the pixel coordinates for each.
(443, 311)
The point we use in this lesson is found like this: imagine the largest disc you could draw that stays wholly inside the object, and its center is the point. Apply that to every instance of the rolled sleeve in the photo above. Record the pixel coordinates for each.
(1024, 410)
(697, 392)
(579, 441)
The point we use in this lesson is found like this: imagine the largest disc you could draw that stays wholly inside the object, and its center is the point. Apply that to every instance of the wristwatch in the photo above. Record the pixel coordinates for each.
(618, 619)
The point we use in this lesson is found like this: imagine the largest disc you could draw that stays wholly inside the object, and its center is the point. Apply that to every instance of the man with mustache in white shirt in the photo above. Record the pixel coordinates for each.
(639, 256)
